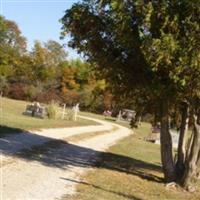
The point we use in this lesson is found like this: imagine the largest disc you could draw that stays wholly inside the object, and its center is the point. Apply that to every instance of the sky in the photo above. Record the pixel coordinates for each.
(38, 19)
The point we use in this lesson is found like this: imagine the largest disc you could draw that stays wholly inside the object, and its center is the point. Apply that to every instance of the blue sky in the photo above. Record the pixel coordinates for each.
(38, 19)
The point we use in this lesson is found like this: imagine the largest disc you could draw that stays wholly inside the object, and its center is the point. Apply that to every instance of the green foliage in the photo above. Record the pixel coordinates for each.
(3, 83)
(2, 30)
(11, 35)
(149, 46)
(56, 51)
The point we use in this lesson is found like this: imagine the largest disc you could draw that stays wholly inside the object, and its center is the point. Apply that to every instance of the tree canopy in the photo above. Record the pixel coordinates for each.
(148, 48)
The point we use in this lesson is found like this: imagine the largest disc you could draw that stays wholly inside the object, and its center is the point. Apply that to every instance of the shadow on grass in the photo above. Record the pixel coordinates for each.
(4, 130)
(130, 166)
(60, 154)
(103, 189)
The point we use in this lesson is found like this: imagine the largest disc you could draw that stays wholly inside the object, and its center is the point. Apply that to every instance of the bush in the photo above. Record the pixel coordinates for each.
(52, 111)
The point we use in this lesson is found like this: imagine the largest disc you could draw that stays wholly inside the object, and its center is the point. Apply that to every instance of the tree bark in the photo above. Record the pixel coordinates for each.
(189, 146)
(166, 144)
(190, 174)
(198, 166)
(180, 164)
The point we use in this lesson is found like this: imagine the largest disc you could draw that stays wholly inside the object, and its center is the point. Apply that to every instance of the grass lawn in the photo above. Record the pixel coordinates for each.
(12, 119)
(130, 170)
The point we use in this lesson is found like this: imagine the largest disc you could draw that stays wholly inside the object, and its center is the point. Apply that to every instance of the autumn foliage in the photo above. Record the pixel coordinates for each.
(45, 73)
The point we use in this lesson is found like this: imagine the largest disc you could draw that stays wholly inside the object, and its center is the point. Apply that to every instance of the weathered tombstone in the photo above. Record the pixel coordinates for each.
(119, 116)
(75, 111)
(63, 112)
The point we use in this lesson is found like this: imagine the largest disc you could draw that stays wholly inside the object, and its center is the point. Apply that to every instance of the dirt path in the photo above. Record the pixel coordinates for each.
(12, 144)
(44, 173)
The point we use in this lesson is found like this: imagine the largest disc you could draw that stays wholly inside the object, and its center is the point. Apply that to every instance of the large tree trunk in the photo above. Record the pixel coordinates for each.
(189, 146)
(166, 144)
(180, 164)
(192, 161)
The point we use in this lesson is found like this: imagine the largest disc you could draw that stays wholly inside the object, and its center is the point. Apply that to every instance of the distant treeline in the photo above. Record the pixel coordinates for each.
(45, 73)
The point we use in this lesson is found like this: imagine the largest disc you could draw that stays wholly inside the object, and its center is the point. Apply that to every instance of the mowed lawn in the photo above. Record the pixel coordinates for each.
(12, 118)
(130, 170)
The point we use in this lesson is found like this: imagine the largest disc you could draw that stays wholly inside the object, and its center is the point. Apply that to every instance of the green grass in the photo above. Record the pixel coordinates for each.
(131, 170)
(12, 119)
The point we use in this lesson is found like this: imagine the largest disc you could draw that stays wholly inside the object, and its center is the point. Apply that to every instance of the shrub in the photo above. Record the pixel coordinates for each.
(52, 111)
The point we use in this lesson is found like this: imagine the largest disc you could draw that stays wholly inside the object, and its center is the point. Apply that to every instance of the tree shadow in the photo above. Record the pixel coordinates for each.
(103, 189)
(5, 130)
(130, 165)
(61, 154)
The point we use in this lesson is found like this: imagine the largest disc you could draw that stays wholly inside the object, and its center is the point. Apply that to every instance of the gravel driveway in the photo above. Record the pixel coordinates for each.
(40, 165)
